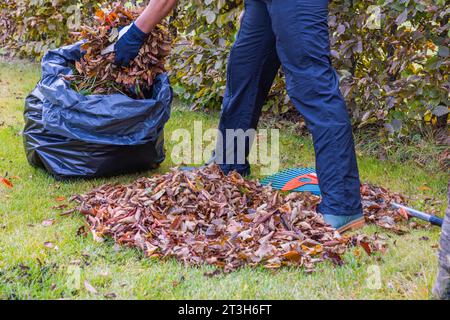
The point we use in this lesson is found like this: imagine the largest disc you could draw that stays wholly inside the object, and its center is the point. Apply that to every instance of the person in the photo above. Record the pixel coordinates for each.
(441, 289)
(293, 34)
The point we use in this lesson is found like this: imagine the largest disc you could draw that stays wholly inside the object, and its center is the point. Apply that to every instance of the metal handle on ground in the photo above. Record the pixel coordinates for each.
(421, 215)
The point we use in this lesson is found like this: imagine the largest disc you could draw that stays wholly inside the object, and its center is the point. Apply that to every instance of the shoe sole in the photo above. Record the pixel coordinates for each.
(354, 225)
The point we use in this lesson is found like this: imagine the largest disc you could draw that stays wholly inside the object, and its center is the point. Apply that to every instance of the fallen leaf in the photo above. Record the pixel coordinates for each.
(6, 182)
(403, 213)
(334, 257)
(89, 287)
(68, 212)
(292, 255)
(48, 222)
(81, 231)
(96, 72)
(213, 274)
(49, 245)
(366, 247)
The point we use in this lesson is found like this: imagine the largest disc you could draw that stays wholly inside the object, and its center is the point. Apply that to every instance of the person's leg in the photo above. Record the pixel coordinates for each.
(301, 30)
(252, 67)
(441, 289)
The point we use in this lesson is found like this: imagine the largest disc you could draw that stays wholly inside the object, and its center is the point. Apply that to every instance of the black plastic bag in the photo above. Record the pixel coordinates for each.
(76, 136)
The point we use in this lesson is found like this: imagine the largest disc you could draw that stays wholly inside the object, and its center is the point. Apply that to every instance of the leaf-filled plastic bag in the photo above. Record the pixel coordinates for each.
(72, 135)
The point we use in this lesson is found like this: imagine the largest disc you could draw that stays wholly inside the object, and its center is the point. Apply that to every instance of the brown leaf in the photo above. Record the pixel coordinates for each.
(403, 213)
(82, 231)
(213, 274)
(334, 257)
(98, 74)
(292, 255)
(110, 295)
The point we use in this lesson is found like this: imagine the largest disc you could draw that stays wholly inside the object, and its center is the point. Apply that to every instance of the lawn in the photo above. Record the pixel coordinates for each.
(31, 270)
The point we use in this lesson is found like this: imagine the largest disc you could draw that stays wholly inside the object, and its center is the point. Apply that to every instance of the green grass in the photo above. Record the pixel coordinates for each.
(29, 270)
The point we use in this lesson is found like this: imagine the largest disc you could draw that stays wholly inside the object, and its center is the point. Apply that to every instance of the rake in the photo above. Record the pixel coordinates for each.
(305, 180)
(294, 180)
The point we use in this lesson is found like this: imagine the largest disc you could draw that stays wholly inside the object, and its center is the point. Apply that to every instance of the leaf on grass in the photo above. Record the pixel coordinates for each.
(6, 182)
(213, 274)
(424, 188)
(96, 236)
(49, 245)
(48, 222)
(334, 257)
(89, 287)
(81, 231)
(366, 246)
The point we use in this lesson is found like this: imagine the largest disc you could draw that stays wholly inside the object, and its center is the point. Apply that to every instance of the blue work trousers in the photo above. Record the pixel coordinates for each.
(293, 34)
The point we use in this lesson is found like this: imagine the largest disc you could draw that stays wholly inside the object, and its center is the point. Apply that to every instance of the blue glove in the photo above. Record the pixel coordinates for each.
(128, 46)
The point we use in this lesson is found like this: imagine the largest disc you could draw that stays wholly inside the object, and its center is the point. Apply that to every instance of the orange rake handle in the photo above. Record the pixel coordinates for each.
(298, 182)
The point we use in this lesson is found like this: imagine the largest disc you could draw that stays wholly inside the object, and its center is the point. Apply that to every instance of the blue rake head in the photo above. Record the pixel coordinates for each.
(294, 180)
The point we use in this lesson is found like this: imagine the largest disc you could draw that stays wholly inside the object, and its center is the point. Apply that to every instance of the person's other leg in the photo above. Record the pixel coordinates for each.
(301, 30)
(441, 289)
(252, 67)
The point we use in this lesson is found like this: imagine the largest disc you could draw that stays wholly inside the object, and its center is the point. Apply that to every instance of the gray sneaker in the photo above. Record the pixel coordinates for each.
(344, 223)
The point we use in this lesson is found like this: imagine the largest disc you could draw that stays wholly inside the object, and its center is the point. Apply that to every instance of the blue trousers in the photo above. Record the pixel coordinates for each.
(293, 34)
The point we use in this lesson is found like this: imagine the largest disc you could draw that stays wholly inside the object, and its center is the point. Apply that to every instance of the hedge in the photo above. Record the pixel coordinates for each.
(392, 55)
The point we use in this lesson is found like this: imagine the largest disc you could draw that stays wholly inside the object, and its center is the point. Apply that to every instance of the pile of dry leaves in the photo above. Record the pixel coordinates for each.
(377, 204)
(206, 217)
(96, 73)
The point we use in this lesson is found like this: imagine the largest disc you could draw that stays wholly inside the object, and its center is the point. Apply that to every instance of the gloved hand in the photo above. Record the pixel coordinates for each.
(128, 46)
